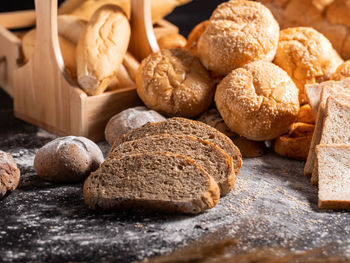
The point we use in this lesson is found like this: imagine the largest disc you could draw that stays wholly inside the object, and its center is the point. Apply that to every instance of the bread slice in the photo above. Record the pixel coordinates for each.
(209, 156)
(329, 88)
(334, 176)
(336, 126)
(182, 126)
(313, 95)
(152, 181)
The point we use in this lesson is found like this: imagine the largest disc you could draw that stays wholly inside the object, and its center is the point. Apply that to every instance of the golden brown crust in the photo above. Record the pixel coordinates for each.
(258, 101)
(296, 148)
(307, 56)
(239, 32)
(248, 148)
(342, 72)
(101, 49)
(338, 12)
(195, 34)
(174, 83)
(301, 129)
(172, 41)
(306, 114)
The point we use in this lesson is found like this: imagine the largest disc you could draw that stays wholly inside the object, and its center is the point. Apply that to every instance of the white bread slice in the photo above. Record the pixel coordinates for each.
(334, 176)
(153, 182)
(336, 126)
(329, 88)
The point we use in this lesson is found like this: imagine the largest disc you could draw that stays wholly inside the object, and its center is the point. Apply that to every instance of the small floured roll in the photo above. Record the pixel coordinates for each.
(172, 41)
(239, 32)
(258, 101)
(307, 56)
(342, 72)
(101, 49)
(174, 83)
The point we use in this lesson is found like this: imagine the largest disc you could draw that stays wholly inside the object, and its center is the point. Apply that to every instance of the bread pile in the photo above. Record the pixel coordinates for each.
(328, 160)
(94, 37)
(177, 165)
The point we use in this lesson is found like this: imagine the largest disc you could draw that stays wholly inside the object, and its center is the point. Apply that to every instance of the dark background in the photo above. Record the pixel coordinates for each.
(186, 17)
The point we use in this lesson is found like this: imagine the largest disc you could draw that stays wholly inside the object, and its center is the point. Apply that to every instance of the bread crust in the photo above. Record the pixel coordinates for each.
(68, 159)
(239, 32)
(307, 56)
(292, 147)
(172, 41)
(9, 174)
(174, 83)
(258, 101)
(195, 34)
(342, 72)
(101, 49)
(207, 200)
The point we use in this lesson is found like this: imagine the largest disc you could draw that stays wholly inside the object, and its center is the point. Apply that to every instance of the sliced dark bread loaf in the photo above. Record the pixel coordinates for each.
(153, 181)
(210, 157)
(334, 176)
(182, 126)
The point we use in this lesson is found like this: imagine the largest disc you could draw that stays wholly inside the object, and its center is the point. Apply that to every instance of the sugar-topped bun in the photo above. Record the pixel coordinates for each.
(258, 101)
(174, 83)
(307, 56)
(239, 32)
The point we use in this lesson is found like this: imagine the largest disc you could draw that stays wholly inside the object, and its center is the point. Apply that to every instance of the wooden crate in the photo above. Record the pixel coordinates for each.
(43, 93)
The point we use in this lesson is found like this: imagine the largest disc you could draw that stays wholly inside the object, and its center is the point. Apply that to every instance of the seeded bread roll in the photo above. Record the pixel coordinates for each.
(68, 159)
(172, 41)
(307, 56)
(129, 120)
(101, 49)
(153, 182)
(209, 156)
(239, 32)
(181, 126)
(258, 101)
(174, 83)
(9, 174)
(248, 148)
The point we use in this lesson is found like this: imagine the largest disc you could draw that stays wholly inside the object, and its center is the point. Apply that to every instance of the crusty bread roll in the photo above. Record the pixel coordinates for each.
(84, 9)
(326, 16)
(258, 101)
(342, 72)
(9, 174)
(239, 32)
(173, 82)
(306, 114)
(67, 50)
(101, 49)
(296, 148)
(195, 34)
(172, 41)
(70, 27)
(307, 56)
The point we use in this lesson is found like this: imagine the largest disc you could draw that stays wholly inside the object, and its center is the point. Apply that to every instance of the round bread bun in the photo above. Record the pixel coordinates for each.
(258, 101)
(342, 72)
(174, 83)
(68, 159)
(195, 34)
(239, 32)
(172, 41)
(307, 56)
(129, 120)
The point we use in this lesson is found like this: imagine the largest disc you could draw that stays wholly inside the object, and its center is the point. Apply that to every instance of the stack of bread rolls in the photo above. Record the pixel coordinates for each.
(257, 72)
(94, 37)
